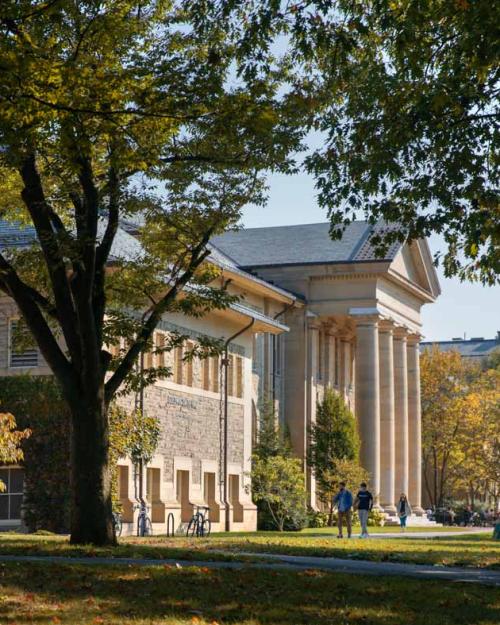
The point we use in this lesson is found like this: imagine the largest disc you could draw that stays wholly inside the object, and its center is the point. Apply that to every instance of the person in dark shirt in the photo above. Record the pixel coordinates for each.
(364, 503)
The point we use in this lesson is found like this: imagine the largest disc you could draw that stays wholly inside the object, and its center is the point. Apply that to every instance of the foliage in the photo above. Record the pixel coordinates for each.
(272, 437)
(334, 448)
(37, 403)
(316, 518)
(39, 406)
(115, 118)
(460, 427)
(411, 125)
(10, 441)
(277, 479)
(134, 435)
(278, 482)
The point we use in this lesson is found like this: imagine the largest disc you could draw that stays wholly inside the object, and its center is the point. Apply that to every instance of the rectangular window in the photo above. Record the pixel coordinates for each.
(239, 376)
(24, 356)
(230, 375)
(148, 360)
(205, 372)
(122, 481)
(215, 374)
(11, 498)
(234, 498)
(187, 367)
(209, 496)
(178, 353)
(160, 345)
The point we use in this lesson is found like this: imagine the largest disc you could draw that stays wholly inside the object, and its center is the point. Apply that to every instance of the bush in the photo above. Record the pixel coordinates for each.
(316, 518)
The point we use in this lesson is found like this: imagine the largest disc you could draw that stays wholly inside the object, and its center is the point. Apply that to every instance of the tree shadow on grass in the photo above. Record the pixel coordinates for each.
(84, 594)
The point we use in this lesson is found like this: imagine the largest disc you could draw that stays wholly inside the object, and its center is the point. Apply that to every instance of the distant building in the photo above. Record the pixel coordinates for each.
(475, 348)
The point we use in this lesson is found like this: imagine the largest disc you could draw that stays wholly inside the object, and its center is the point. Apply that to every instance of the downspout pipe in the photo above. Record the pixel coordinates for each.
(225, 364)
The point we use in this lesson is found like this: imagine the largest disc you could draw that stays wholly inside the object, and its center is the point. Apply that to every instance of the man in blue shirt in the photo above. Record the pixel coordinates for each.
(343, 501)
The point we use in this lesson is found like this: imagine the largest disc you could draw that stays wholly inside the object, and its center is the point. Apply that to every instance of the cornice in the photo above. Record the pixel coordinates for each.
(344, 277)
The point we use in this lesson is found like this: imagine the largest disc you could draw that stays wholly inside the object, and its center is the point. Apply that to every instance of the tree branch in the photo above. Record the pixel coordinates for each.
(29, 308)
(40, 212)
(198, 256)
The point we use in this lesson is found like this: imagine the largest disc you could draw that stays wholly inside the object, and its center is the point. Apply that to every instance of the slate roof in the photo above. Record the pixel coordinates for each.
(467, 348)
(15, 235)
(302, 245)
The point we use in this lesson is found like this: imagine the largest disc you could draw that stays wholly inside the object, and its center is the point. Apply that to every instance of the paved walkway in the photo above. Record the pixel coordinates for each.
(409, 534)
(294, 563)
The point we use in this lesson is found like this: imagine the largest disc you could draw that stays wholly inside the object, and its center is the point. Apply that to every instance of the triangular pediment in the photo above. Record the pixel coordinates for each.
(414, 264)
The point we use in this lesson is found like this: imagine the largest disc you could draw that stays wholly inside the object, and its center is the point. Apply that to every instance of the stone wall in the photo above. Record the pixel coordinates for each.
(190, 424)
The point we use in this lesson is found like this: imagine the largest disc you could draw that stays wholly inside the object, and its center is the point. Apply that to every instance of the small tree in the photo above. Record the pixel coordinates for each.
(134, 435)
(10, 441)
(334, 447)
(278, 483)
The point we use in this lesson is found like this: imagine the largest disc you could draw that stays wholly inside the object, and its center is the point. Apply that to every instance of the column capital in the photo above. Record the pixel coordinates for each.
(387, 325)
(365, 316)
(401, 333)
(414, 338)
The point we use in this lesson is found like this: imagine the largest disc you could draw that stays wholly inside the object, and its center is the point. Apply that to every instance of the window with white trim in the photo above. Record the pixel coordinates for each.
(25, 356)
(11, 498)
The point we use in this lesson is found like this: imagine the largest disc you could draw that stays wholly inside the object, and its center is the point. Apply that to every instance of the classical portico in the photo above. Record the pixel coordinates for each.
(358, 333)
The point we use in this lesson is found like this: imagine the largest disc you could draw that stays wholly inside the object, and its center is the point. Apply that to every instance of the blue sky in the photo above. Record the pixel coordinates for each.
(462, 307)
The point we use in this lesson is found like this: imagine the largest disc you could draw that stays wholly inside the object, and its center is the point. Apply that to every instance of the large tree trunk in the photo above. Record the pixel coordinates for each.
(91, 510)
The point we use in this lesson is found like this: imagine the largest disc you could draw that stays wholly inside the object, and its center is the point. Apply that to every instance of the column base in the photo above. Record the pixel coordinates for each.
(418, 511)
(389, 508)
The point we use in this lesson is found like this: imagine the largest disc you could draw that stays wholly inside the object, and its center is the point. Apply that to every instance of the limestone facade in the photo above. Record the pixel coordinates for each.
(188, 467)
(359, 334)
(351, 325)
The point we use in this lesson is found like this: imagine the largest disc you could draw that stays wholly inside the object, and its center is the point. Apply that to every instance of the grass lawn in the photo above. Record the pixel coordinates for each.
(472, 550)
(84, 595)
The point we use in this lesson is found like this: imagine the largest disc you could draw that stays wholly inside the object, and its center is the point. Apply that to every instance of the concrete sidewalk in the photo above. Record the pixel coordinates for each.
(290, 563)
(471, 531)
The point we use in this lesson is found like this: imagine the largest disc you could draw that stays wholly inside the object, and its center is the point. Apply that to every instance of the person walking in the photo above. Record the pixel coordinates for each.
(343, 500)
(363, 503)
(404, 510)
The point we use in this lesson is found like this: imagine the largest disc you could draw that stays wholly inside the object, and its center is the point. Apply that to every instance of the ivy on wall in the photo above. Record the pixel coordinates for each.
(37, 404)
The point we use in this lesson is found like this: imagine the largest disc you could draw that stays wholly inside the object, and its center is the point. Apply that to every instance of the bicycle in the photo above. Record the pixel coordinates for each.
(200, 525)
(144, 525)
(117, 524)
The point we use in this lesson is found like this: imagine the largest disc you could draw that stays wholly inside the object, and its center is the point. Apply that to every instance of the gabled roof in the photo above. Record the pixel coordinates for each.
(302, 245)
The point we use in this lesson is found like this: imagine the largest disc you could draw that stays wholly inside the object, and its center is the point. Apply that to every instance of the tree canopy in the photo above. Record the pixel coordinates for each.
(407, 117)
(460, 428)
(117, 116)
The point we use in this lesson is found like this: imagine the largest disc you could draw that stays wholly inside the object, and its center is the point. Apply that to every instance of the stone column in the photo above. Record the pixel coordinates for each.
(387, 423)
(414, 425)
(401, 411)
(368, 397)
(331, 359)
(346, 365)
(312, 378)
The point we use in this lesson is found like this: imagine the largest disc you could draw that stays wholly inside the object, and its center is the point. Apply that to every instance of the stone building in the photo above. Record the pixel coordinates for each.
(313, 313)
(358, 332)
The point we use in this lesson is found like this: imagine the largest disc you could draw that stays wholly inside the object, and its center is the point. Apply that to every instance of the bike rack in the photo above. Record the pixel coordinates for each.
(170, 524)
